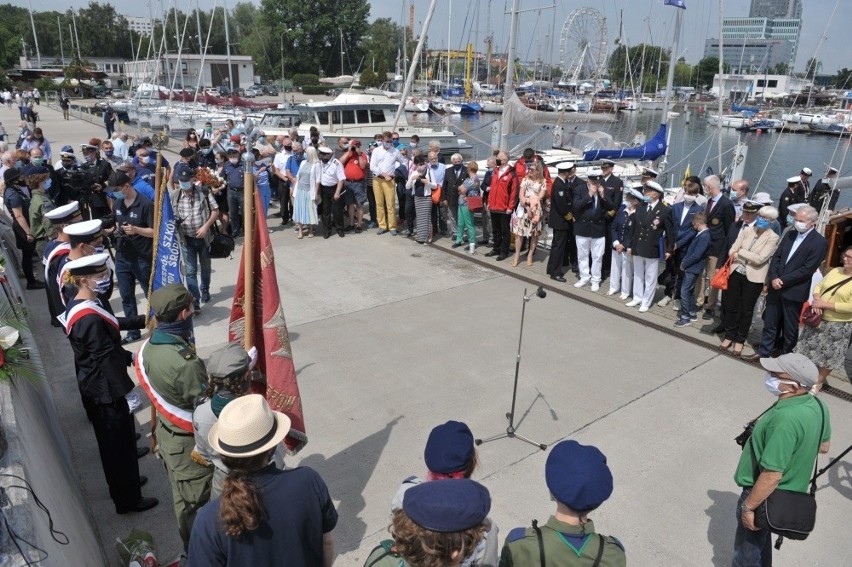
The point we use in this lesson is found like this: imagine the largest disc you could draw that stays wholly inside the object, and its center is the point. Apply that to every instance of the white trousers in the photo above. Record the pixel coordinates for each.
(645, 272)
(596, 246)
(621, 272)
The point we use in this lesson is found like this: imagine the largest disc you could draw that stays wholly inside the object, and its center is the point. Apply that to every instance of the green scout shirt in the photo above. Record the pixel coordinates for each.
(174, 370)
(40, 226)
(384, 555)
(564, 545)
(786, 439)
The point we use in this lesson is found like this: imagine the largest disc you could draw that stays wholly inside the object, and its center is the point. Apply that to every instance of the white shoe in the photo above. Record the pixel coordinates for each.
(624, 296)
(581, 283)
(634, 302)
(664, 301)
(676, 305)
(613, 292)
(595, 287)
(644, 309)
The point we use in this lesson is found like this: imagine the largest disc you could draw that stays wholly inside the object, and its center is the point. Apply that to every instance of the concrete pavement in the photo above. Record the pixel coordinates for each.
(391, 338)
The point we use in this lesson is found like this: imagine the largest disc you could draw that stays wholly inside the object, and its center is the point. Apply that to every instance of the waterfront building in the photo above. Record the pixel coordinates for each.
(213, 71)
(142, 26)
(759, 86)
(775, 9)
(751, 55)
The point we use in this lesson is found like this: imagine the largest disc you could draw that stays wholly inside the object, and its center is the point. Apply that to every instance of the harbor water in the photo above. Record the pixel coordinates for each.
(772, 156)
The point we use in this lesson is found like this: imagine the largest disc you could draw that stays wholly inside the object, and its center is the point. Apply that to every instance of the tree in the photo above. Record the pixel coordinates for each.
(812, 67)
(369, 78)
(312, 31)
(780, 69)
(707, 69)
(843, 79)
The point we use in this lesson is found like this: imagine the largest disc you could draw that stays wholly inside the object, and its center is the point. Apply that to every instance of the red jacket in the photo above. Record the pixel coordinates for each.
(503, 196)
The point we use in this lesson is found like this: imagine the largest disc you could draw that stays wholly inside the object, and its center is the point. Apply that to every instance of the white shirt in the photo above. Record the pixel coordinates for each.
(437, 174)
(280, 162)
(120, 148)
(796, 243)
(331, 173)
(384, 162)
(686, 207)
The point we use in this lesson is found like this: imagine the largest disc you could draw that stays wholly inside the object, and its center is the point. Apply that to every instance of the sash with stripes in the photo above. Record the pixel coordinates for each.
(62, 249)
(85, 307)
(179, 418)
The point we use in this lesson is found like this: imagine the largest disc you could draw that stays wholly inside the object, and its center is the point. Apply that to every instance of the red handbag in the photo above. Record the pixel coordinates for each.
(720, 279)
(474, 203)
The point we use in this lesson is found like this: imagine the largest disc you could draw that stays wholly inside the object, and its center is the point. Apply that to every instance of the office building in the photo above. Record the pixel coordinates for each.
(751, 55)
(784, 9)
(142, 26)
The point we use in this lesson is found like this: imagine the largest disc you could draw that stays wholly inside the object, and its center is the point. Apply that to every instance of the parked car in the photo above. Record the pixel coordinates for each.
(100, 91)
(253, 91)
(271, 90)
(224, 91)
(117, 93)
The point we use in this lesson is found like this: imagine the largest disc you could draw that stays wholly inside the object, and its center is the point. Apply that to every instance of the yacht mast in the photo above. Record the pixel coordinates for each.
(415, 59)
(670, 78)
(508, 87)
(228, 49)
(35, 36)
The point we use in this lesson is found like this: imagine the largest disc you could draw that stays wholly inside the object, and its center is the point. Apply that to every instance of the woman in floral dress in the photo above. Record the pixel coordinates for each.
(527, 218)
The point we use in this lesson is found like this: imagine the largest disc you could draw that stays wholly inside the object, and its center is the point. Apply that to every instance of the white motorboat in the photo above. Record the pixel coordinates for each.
(492, 106)
(728, 120)
(809, 118)
(416, 105)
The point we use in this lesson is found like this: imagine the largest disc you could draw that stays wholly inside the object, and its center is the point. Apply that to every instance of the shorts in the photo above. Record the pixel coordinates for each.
(356, 193)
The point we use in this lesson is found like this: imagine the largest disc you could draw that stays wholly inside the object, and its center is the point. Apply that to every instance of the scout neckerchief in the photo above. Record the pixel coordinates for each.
(177, 417)
(81, 309)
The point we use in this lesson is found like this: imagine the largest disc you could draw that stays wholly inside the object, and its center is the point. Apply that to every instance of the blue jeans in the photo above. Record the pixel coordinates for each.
(265, 197)
(687, 295)
(194, 252)
(128, 272)
(751, 549)
(235, 211)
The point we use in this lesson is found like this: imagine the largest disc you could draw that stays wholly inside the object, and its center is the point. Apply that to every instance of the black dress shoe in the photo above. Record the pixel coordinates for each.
(482, 242)
(140, 506)
(501, 257)
(558, 278)
(143, 480)
(142, 451)
(456, 244)
(341, 234)
(492, 253)
(327, 235)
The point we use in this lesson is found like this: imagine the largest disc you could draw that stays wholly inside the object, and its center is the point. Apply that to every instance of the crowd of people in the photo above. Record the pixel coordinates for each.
(221, 445)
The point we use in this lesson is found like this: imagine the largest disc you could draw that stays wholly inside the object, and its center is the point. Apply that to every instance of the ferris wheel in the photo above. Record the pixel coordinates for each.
(582, 45)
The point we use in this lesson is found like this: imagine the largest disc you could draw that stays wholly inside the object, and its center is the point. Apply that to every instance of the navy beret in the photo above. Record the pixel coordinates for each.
(578, 476)
(451, 505)
(449, 448)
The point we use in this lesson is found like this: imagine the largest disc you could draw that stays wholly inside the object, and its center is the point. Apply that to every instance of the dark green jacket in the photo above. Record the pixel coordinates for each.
(564, 545)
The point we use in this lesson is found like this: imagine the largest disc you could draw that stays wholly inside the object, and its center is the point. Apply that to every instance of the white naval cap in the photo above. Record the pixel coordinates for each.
(594, 173)
(607, 163)
(807, 171)
(325, 150)
(64, 213)
(762, 197)
(832, 169)
(794, 208)
(650, 172)
(87, 265)
(635, 193)
(655, 186)
(565, 166)
(85, 231)
(794, 179)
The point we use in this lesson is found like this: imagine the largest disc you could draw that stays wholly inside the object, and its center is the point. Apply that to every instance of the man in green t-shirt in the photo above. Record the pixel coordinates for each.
(781, 451)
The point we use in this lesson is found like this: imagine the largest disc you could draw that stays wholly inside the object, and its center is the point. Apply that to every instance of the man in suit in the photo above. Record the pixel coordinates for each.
(572, 183)
(614, 190)
(805, 181)
(720, 216)
(822, 191)
(791, 269)
(560, 221)
(792, 195)
(591, 207)
(453, 178)
(682, 214)
(652, 223)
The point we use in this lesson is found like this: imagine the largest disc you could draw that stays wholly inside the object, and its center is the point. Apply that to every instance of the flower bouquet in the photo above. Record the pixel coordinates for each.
(210, 179)
(14, 356)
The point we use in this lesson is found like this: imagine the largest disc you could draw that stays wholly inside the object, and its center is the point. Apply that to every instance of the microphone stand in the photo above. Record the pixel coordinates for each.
(511, 430)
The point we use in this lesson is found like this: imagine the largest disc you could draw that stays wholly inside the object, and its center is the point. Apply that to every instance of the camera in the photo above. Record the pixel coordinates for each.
(743, 437)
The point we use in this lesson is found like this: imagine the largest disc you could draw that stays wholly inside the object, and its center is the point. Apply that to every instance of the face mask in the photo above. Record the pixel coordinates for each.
(90, 158)
(47, 183)
(499, 162)
(277, 144)
(37, 161)
(433, 165)
(185, 185)
(689, 199)
(98, 249)
(205, 151)
(646, 198)
(325, 159)
(395, 143)
(790, 220)
(144, 159)
(761, 223)
(208, 129)
(101, 286)
(801, 226)
(288, 148)
(109, 153)
(772, 383)
(234, 161)
(18, 164)
(412, 145)
(261, 140)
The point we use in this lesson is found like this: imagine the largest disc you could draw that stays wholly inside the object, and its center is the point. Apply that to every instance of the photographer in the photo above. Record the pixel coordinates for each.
(134, 220)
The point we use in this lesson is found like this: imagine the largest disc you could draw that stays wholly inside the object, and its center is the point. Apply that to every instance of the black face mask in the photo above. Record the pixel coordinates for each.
(499, 162)
(325, 159)
(288, 148)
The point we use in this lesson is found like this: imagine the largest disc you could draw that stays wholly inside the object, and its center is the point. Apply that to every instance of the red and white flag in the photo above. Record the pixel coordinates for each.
(275, 357)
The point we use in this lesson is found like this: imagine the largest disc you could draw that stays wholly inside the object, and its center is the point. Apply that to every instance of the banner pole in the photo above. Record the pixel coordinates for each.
(248, 248)
(158, 218)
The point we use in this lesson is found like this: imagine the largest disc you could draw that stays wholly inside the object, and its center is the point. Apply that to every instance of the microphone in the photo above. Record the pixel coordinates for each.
(541, 292)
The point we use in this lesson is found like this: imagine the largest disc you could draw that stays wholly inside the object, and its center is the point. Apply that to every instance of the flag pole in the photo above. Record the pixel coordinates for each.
(248, 248)
(158, 218)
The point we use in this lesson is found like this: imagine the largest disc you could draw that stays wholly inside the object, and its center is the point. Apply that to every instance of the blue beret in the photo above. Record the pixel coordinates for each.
(578, 476)
(35, 170)
(451, 505)
(449, 448)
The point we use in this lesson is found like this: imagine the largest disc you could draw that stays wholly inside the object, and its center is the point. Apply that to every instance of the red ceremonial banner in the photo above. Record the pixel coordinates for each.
(274, 356)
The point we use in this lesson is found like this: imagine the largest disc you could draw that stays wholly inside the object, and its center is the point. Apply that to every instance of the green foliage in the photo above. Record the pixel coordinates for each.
(706, 69)
(314, 89)
(780, 69)
(302, 79)
(812, 67)
(843, 79)
(45, 85)
(369, 78)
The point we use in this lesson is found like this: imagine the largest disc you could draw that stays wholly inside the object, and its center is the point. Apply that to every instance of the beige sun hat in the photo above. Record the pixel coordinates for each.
(247, 427)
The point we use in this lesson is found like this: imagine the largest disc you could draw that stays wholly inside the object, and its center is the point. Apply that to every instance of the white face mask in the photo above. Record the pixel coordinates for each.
(772, 383)
(801, 226)
(689, 199)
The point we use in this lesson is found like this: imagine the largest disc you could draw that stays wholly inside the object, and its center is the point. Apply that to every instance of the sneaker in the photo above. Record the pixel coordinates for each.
(595, 287)
(644, 309)
(381, 231)
(196, 309)
(708, 314)
(682, 322)
(581, 283)
(693, 316)
(205, 297)
(664, 301)
(634, 302)
(624, 296)
(372, 225)
(676, 304)
(613, 292)
(394, 232)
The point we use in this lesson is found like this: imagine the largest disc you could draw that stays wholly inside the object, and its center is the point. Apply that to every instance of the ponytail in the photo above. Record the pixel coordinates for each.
(241, 508)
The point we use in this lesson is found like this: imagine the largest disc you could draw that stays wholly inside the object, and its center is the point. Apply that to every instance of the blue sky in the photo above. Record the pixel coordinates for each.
(643, 19)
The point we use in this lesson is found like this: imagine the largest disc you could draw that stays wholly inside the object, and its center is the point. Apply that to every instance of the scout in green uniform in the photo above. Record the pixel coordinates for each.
(440, 523)
(579, 480)
(174, 378)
